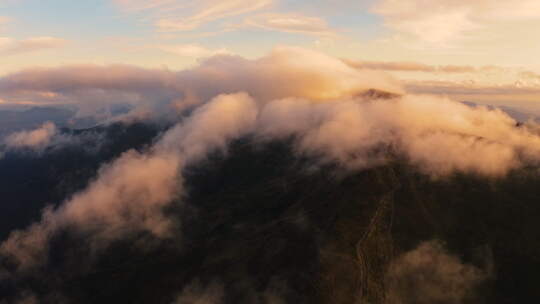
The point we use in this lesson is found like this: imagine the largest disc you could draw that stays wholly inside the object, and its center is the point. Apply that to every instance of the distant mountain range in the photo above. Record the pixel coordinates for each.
(12, 120)
(518, 115)
(24, 119)
(16, 120)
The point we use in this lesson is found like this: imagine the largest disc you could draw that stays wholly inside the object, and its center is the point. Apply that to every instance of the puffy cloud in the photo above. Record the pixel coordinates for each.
(439, 135)
(429, 274)
(130, 193)
(286, 72)
(319, 101)
(91, 88)
(35, 139)
(293, 23)
(10, 46)
(47, 138)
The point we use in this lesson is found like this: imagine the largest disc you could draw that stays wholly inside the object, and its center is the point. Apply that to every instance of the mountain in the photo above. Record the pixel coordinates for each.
(16, 120)
(518, 115)
(260, 224)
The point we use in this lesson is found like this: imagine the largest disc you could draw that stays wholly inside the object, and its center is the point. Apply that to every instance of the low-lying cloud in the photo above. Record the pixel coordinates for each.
(36, 139)
(317, 100)
(286, 72)
(48, 137)
(429, 274)
(361, 134)
(130, 193)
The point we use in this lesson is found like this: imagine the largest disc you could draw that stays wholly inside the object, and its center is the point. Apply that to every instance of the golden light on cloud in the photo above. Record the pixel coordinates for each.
(210, 11)
(193, 50)
(293, 23)
(10, 46)
(269, 151)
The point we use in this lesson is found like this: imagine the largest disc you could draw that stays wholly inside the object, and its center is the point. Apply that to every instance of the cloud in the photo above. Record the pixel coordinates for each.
(193, 50)
(10, 46)
(292, 23)
(318, 101)
(286, 72)
(130, 193)
(211, 11)
(412, 67)
(530, 75)
(91, 88)
(167, 16)
(521, 94)
(140, 5)
(429, 274)
(445, 21)
(360, 134)
(46, 138)
(36, 139)
(203, 13)
(468, 87)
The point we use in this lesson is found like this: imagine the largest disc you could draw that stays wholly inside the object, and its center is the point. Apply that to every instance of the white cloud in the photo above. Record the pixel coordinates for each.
(130, 193)
(313, 98)
(285, 72)
(444, 22)
(35, 139)
(170, 16)
(9, 46)
(293, 23)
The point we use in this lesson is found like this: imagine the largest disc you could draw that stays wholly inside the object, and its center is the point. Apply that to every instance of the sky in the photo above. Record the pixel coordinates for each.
(484, 51)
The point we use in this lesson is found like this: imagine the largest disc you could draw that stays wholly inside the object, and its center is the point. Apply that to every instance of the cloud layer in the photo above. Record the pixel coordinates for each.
(318, 101)
(286, 72)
